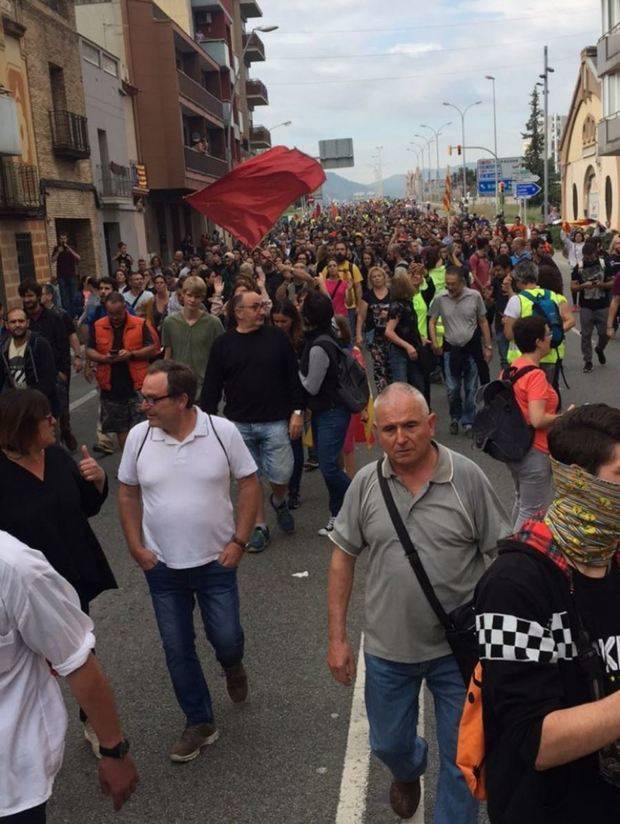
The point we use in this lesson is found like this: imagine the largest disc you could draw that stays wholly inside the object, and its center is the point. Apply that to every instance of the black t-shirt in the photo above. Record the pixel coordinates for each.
(121, 384)
(593, 297)
(378, 309)
(66, 264)
(612, 265)
(597, 602)
(407, 326)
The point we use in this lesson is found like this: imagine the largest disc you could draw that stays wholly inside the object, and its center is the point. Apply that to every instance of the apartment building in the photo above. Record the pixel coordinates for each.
(608, 66)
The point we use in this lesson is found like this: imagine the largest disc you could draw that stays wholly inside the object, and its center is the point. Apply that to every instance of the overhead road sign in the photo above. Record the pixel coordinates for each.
(527, 190)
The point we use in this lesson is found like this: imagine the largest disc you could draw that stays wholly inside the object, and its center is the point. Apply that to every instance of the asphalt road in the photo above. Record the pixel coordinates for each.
(280, 757)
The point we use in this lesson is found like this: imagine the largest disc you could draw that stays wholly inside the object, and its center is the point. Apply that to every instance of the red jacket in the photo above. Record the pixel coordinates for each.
(133, 339)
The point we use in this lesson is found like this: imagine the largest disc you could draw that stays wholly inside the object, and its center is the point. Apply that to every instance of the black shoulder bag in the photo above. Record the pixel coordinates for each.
(460, 624)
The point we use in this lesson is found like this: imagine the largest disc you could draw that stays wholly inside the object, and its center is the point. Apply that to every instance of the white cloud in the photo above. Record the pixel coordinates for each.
(412, 49)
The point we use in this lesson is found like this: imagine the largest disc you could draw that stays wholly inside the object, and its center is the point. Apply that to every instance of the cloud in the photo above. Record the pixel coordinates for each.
(412, 49)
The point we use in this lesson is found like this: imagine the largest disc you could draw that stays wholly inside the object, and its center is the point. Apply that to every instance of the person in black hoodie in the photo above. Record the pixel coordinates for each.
(549, 638)
(27, 359)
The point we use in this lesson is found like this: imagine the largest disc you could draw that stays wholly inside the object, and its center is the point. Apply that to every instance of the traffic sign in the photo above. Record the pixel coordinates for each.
(487, 187)
(527, 190)
(525, 176)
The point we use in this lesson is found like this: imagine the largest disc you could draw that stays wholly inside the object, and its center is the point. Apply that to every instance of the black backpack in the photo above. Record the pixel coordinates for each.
(499, 428)
(353, 390)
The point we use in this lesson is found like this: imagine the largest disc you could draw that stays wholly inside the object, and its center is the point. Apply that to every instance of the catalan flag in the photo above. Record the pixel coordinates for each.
(447, 196)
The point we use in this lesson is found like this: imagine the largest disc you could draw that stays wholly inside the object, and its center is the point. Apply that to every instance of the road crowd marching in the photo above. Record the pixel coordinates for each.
(338, 329)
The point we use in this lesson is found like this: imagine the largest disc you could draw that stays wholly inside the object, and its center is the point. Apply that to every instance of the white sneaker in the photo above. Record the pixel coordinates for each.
(91, 736)
(325, 530)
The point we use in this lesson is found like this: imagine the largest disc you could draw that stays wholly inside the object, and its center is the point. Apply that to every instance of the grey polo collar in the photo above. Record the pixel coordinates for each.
(444, 471)
(200, 431)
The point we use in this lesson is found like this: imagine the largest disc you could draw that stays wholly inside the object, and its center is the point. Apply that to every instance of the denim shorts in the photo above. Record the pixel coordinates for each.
(270, 446)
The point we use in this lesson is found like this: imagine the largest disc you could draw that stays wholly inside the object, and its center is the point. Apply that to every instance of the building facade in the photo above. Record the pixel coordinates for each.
(590, 180)
(608, 66)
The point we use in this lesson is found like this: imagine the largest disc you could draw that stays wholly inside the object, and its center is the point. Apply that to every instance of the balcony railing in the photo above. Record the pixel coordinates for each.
(250, 8)
(200, 96)
(204, 163)
(260, 137)
(254, 47)
(256, 93)
(217, 50)
(115, 181)
(69, 134)
(20, 192)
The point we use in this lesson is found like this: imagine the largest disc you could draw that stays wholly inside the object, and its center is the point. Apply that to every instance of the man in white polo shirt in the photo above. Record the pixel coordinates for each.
(178, 519)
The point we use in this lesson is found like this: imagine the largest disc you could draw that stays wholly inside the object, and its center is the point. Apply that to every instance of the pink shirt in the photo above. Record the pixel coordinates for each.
(337, 291)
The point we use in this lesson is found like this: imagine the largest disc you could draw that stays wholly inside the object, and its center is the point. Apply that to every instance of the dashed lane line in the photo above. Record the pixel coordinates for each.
(84, 399)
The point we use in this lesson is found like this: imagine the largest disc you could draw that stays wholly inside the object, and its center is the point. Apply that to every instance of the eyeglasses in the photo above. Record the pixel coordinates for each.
(262, 305)
(150, 401)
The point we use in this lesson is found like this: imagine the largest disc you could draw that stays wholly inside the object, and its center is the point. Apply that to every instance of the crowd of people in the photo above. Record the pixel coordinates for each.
(229, 365)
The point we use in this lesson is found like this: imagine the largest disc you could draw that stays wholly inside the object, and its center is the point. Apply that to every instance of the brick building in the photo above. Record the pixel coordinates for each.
(55, 144)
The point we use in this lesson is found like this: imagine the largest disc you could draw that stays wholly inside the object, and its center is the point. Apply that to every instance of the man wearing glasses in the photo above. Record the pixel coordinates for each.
(179, 524)
(120, 345)
(255, 366)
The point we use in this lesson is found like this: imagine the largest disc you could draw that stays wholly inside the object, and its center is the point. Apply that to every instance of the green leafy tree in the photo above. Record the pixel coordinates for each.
(534, 134)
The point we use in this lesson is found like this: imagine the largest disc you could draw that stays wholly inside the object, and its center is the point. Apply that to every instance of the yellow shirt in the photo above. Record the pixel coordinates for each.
(350, 273)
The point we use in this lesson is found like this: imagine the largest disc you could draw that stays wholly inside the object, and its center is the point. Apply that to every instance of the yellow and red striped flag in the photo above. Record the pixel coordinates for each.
(447, 195)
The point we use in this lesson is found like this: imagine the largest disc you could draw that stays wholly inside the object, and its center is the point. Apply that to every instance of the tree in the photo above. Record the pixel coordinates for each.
(534, 135)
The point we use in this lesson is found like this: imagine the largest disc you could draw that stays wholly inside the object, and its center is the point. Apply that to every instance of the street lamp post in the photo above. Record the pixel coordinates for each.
(427, 141)
(277, 126)
(463, 112)
(420, 149)
(419, 166)
(436, 132)
(229, 119)
(545, 79)
(492, 79)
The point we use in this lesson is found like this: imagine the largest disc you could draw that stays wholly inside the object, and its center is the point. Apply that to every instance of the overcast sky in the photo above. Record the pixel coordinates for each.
(374, 70)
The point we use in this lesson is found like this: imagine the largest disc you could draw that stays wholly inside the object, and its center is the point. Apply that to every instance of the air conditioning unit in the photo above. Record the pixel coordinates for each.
(203, 18)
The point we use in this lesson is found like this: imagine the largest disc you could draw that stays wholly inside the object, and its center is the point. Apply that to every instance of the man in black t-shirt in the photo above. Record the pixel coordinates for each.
(548, 628)
(66, 260)
(592, 283)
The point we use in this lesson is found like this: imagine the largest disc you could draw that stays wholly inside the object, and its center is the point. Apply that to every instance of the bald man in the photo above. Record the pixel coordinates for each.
(455, 521)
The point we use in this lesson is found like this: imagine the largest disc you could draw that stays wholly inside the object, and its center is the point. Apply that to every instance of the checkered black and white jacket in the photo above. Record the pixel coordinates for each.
(527, 627)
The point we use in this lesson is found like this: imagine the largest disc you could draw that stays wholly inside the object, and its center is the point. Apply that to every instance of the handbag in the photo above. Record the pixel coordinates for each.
(460, 624)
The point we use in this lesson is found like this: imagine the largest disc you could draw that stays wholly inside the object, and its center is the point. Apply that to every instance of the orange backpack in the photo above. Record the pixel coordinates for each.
(470, 747)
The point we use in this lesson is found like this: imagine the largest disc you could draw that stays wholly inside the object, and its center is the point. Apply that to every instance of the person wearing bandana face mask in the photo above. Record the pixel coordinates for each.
(548, 623)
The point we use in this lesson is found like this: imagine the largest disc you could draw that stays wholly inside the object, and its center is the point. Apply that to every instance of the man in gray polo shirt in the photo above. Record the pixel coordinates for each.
(454, 519)
(464, 319)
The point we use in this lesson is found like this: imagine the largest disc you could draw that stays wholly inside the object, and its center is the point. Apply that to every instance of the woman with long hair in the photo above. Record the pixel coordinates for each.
(372, 319)
(405, 351)
(160, 301)
(332, 285)
(367, 262)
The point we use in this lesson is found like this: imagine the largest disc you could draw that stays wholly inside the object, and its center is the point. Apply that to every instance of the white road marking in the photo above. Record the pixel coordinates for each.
(354, 783)
(576, 331)
(84, 399)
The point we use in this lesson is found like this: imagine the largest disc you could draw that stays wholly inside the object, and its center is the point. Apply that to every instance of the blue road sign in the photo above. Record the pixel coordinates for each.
(527, 190)
(487, 187)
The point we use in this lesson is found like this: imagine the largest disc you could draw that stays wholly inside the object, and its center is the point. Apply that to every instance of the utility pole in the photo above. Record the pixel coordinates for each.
(492, 79)
(545, 79)
(463, 112)
(436, 132)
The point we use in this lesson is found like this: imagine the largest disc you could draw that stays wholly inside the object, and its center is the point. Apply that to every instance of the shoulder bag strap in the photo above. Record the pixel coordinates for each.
(219, 440)
(410, 550)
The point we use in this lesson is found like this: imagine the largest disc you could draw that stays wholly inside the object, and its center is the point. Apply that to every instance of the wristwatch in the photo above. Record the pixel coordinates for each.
(238, 542)
(118, 752)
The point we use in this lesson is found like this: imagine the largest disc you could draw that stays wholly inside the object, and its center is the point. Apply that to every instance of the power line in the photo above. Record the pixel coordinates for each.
(475, 22)
(460, 73)
(432, 51)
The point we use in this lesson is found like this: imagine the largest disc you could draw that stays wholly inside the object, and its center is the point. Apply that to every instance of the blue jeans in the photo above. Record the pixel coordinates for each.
(329, 429)
(270, 446)
(461, 402)
(174, 593)
(392, 694)
(298, 466)
(502, 347)
(404, 370)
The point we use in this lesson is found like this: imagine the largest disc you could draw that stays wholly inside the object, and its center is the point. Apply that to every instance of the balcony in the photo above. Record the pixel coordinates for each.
(254, 48)
(114, 182)
(608, 131)
(608, 53)
(200, 96)
(20, 193)
(217, 50)
(249, 8)
(260, 137)
(256, 93)
(214, 6)
(69, 134)
(204, 164)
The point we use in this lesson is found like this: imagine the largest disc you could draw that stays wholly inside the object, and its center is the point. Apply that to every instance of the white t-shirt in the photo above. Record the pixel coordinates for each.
(187, 512)
(513, 307)
(40, 618)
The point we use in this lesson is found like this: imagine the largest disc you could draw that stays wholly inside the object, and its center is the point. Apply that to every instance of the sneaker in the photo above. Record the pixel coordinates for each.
(328, 528)
(101, 450)
(294, 501)
(454, 427)
(467, 429)
(192, 740)
(283, 516)
(587, 367)
(237, 683)
(311, 465)
(601, 356)
(91, 736)
(259, 539)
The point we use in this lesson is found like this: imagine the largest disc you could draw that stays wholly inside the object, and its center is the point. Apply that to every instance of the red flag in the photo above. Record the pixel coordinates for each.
(250, 199)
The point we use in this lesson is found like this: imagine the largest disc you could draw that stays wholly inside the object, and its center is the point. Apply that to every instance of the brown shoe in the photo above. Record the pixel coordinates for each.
(405, 797)
(237, 683)
(192, 740)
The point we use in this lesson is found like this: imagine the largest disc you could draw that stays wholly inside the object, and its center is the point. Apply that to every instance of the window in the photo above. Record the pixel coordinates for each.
(575, 202)
(25, 258)
(611, 15)
(109, 65)
(90, 54)
(611, 94)
(57, 85)
(608, 198)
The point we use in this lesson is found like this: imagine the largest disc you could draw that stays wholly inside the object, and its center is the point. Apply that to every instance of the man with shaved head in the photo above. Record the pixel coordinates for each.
(454, 520)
